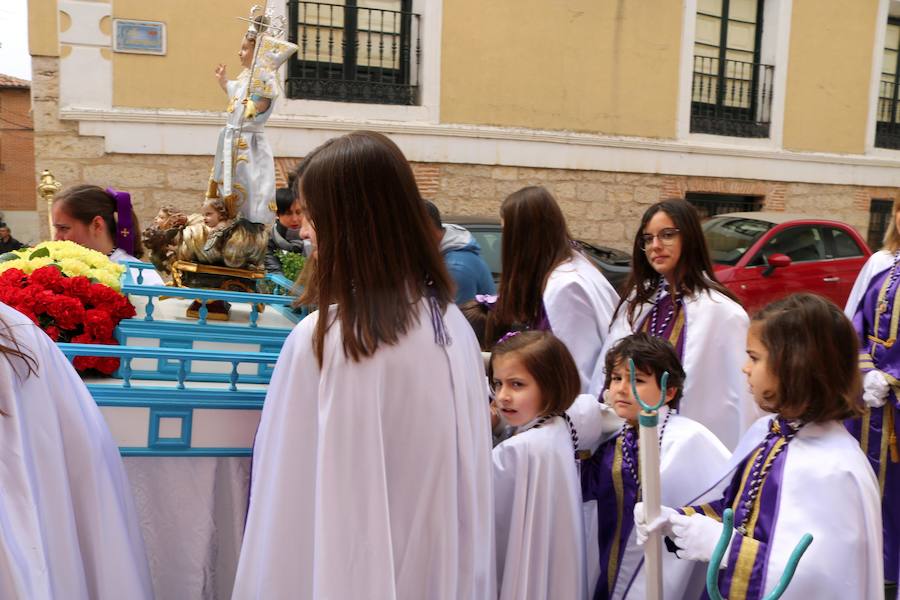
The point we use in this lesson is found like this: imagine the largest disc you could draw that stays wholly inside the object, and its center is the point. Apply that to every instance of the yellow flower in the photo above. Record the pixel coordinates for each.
(106, 279)
(19, 263)
(72, 267)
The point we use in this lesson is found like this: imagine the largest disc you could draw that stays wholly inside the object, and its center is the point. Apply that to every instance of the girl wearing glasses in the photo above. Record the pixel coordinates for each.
(672, 293)
(548, 285)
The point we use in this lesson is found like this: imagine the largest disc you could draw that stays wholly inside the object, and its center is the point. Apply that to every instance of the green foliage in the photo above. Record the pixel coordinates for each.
(291, 263)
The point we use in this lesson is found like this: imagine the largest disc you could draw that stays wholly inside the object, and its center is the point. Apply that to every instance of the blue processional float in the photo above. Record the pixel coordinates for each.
(195, 361)
(174, 361)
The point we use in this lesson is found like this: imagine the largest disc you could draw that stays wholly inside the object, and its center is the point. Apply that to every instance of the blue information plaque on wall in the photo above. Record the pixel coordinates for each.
(140, 37)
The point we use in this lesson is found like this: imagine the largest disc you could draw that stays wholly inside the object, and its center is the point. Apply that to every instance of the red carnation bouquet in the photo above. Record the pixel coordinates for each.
(68, 309)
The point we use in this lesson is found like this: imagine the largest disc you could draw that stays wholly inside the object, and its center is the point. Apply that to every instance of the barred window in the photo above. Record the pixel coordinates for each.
(731, 92)
(887, 128)
(355, 51)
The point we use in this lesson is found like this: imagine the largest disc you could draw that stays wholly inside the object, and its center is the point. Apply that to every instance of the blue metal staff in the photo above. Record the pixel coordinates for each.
(712, 572)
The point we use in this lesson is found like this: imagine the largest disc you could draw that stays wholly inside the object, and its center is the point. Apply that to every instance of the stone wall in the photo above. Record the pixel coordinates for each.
(601, 207)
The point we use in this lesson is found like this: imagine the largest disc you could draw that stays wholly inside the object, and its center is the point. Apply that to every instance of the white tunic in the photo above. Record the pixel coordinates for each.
(68, 528)
(150, 276)
(538, 516)
(372, 479)
(580, 303)
(877, 263)
(715, 340)
(828, 489)
(691, 457)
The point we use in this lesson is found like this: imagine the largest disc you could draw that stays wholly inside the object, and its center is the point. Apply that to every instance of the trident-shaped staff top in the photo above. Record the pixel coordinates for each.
(649, 416)
(712, 572)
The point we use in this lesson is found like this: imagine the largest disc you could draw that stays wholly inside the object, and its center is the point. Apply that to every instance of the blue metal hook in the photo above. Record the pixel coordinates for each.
(712, 572)
(649, 414)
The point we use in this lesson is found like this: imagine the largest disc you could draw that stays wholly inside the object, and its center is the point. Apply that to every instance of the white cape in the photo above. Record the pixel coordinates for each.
(372, 479)
(68, 528)
(877, 263)
(580, 303)
(691, 459)
(538, 516)
(715, 390)
(828, 490)
(150, 276)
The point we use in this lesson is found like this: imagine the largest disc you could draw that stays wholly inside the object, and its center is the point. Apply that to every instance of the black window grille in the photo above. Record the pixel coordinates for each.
(709, 205)
(731, 90)
(887, 127)
(880, 212)
(355, 51)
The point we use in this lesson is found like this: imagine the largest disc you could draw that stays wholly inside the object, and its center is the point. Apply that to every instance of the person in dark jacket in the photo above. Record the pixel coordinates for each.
(285, 232)
(7, 242)
(462, 255)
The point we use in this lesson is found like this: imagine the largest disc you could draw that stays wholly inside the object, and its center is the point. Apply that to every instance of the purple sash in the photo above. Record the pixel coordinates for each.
(674, 331)
(748, 562)
(606, 478)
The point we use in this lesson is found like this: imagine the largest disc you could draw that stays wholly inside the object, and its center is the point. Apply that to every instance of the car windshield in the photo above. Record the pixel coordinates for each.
(489, 240)
(729, 238)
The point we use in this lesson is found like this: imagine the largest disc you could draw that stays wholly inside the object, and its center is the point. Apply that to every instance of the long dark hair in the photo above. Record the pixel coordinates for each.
(813, 352)
(376, 254)
(535, 241)
(694, 271)
(18, 358)
(84, 202)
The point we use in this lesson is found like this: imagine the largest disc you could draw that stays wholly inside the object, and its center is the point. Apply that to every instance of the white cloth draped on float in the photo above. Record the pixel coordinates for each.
(691, 458)
(68, 528)
(715, 340)
(829, 490)
(252, 177)
(580, 302)
(150, 276)
(372, 479)
(877, 263)
(191, 511)
(538, 516)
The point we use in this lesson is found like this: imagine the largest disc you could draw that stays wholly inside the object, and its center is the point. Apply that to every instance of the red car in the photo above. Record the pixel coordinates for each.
(763, 256)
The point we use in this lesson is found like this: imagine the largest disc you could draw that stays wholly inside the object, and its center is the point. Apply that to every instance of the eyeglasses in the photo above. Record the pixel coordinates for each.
(666, 237)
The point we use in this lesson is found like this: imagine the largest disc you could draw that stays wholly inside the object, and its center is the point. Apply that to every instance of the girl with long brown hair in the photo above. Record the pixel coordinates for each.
(546, 284)
(68, 525)
(672, 293)
(371, 468)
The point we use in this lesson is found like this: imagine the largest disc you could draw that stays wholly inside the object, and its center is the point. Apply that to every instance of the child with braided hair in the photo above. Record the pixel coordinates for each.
(690, 459)
(537, 503)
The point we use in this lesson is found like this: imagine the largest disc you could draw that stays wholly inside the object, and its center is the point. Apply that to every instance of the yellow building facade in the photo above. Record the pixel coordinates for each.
(776, 104)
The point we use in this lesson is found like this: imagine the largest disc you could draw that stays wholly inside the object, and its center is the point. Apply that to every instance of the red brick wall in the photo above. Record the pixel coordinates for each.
(17, 180)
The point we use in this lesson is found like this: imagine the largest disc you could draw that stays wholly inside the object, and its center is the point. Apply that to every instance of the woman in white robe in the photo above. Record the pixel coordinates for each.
(102, 220)
(702, 320)
(371, 468)
(68, 528)
(547, 284)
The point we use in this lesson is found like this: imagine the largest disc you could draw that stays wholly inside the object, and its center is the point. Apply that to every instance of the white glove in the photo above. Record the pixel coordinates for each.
(696, 536)
(642, 529)
(875, 388)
